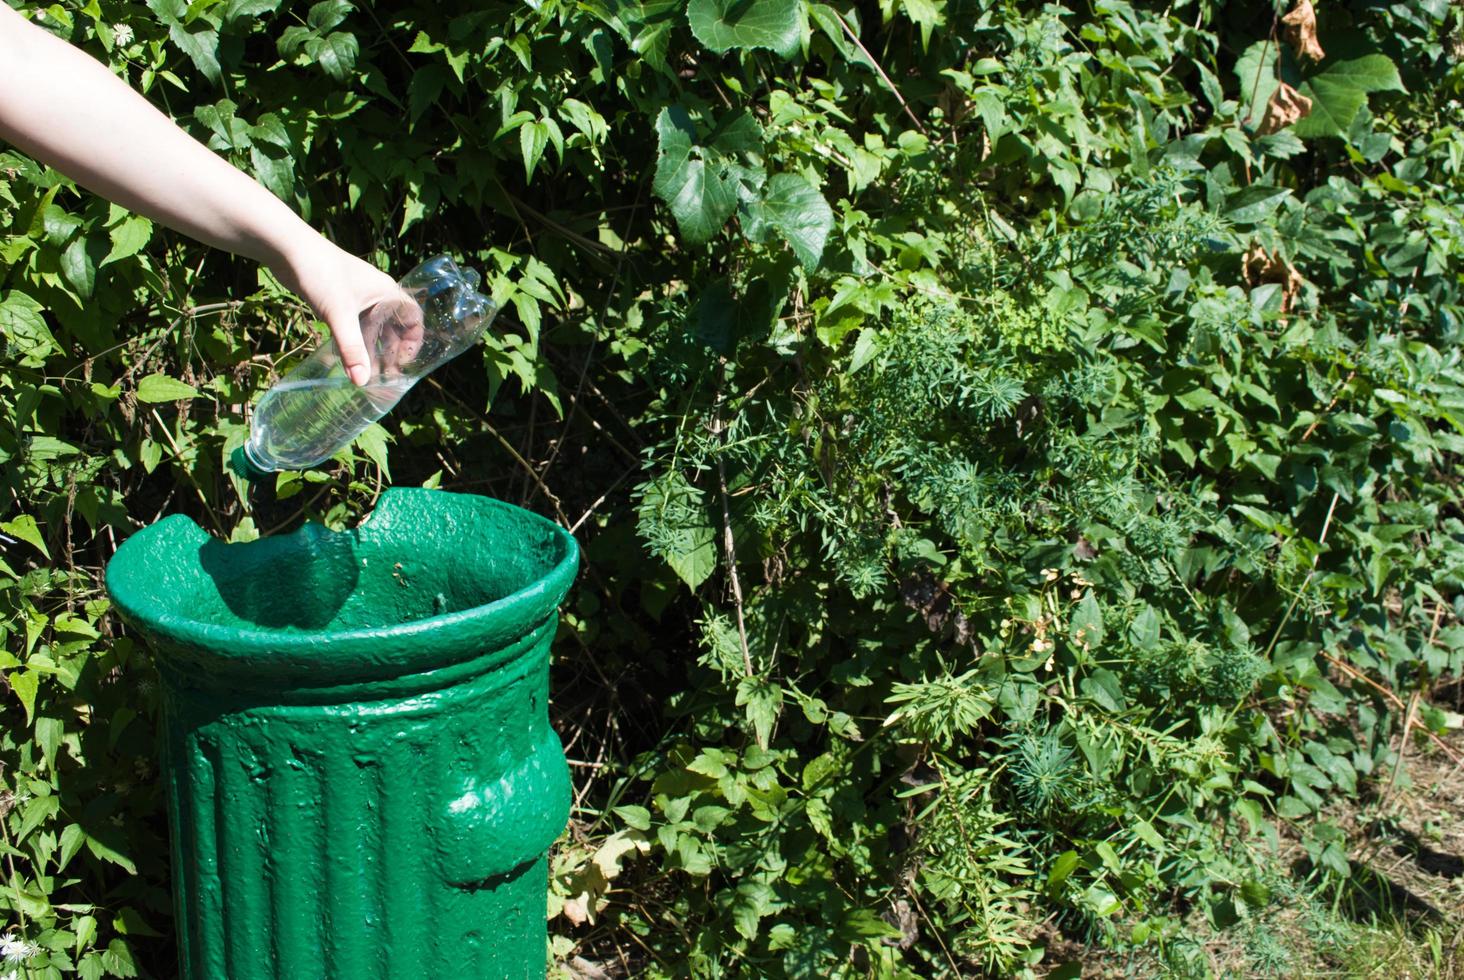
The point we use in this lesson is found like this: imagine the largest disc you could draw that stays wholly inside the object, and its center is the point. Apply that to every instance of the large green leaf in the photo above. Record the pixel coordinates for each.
(794, 208)
(275, 170)
(1338, 87)
(1256, 79)
(692, 179)
(725, 24)
(674, 520)
(1339, 91)
(533, 138)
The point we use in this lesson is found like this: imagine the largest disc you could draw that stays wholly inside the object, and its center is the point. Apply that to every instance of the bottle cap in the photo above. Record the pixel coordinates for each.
(243, 466)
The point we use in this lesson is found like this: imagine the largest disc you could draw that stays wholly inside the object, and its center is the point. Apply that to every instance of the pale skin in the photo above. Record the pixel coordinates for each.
(65, 109)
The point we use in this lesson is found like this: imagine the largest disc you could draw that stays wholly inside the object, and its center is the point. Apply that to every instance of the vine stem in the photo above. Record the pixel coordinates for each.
(885, 78)
(178, 455)
(1286, 616)
(729, 542)
(14, 881)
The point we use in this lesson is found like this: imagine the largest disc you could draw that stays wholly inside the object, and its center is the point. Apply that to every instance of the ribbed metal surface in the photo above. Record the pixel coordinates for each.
(324, 841)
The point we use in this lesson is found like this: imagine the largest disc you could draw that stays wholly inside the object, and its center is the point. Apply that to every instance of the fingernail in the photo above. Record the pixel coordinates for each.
(358, 373)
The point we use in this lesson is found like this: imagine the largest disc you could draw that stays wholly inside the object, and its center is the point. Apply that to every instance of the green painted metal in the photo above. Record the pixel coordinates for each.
(362, 779)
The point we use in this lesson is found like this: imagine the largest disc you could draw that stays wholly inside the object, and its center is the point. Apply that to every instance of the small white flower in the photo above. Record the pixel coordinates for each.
(15, 950)
(12, 975)
(122, 34)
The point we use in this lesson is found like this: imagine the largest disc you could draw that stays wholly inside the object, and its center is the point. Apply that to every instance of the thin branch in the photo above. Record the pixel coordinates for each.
(1286, 616)
(1412, 711)
(1354, 674)
(885, 78)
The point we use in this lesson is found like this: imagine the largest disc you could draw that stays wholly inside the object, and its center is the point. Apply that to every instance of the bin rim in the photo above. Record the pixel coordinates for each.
(360, 652)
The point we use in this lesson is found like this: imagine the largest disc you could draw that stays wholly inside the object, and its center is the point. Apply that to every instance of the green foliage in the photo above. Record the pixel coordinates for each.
(986, 445)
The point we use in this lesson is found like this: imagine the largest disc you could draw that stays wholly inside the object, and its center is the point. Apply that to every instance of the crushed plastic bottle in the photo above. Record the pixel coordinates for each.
(315, 410)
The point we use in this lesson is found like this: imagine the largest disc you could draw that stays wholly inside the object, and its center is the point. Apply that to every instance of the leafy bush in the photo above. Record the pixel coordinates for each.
(1016, 472)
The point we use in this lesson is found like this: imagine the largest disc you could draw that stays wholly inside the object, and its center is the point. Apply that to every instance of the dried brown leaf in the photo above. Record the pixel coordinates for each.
(1301, 31)
(1259, 266)
(1285, 107)
(577, 909)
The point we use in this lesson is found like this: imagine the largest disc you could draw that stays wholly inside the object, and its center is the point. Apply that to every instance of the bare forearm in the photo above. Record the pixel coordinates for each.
(69, 111)
(66, 109)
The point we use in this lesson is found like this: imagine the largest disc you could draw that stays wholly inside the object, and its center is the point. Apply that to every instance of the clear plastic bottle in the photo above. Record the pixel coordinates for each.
(316, 409)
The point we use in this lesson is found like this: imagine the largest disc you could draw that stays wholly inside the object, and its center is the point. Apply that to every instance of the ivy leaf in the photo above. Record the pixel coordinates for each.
(249, 8)
(1339, 91)
(372, 441)
(25, 528)
(24, 328)
(25, 683)
(927, 15)
(197, 39)
(795, 209)
(336, 53)
(653, 22)
(691, 179)
(275, 170)
(157, 388)
(78, 268)
(426, 85)
(1256, 75)
(533, 137)
(739, 133)
(725, 24)
(328, 13)
(1255, 204)
(129, 236)
(764, 702)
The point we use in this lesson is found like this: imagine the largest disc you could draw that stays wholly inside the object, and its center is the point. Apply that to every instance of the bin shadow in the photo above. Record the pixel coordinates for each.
(298, 581)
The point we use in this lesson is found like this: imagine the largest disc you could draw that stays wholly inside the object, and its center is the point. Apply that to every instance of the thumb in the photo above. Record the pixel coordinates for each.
(345, 327)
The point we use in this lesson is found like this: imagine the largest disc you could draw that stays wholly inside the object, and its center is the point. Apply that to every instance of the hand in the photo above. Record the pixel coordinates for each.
(347, 293)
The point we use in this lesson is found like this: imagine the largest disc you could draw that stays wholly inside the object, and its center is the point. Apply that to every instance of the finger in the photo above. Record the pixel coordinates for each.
(410, 316)
(346, 329)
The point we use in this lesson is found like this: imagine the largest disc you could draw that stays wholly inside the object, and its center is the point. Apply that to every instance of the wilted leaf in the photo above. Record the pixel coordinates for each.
(1259, 266)
(1301, 31)
(1285, 107)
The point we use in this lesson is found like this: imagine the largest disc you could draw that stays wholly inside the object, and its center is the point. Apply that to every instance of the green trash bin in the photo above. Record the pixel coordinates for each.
(361, 776)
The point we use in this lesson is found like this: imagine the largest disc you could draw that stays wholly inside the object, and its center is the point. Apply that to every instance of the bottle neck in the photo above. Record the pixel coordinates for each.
(247, 464)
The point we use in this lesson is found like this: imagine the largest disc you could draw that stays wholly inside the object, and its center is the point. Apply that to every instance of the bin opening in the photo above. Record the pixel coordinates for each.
(420, 555)
(333, 582)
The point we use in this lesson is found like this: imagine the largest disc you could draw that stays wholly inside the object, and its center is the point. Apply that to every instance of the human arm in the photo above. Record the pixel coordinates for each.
(68, 110)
